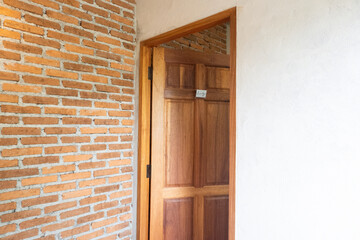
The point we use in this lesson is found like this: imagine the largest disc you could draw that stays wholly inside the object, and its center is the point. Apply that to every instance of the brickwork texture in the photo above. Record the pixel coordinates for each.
(66, 119)
(212, 40)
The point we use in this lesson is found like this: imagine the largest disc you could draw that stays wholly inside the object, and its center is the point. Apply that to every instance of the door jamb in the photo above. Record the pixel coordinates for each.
(146, 46)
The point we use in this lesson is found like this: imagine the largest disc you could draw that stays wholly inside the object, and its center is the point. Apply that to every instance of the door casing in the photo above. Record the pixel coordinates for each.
(143, 188)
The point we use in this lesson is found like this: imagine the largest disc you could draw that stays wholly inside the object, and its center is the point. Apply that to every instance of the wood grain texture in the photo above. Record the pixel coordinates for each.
(215, 218)
(178, 219)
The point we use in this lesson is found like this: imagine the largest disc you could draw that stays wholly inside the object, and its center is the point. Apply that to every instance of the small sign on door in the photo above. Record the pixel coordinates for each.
(201, 93)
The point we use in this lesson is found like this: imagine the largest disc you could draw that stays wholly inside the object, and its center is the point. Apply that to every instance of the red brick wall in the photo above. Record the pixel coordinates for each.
(66, 119)
(212, 40)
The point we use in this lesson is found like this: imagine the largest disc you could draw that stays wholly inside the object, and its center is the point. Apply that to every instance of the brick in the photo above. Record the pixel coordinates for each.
(78, 139)
(39, 201)
(23, 27)
(91, 165)
(106, 72)
(123, 52)
(125, 233)
(60, 149)
(130, 30)
(17, 109)
(78, 85)
(60, 130)
(62, 111)
(92, 78)
(119, 178)
(77, 121)
(8, 184)
(77, 194)
(21, 152)
(108, 55)
(61, 92)
(121, 98)
(93, 27)
(9, 55)
(8, 228)
(47, 3)
(20, 131)
(95, 10)
(75, 176)
(124, 4)
(127, 122)
(9, 163)
(119, 146)
(91, 112)
(121, 194)
(92, 182)
(79, 32)
(91, 217)
(42, 22)
(40, 120)
(76, 158)
(106, 189)
(50, 237)
(38, 180)
(18, 194)
(128, 91)
(91, 200)
(9, 98)
(106, 105)
(22, 47)
(9, 34)
(76, 13)
(93, 147)
(38, 140)
(106, 172)
(126, 138)
(117, 227)
(128, 76)
(61, 74)
(22, 235)
(122, 35)
(59, 187)
(124, 83)
(40, 160)
(58, 54)
(107, 139)
(8, 141)
(122, 19)
(24, 6)
(129, 46)
(126, 169)
(75, 231)
(94, 61)
(93, 130)
(62, 17)
(105, 88)
(103, 223)
(42, 61)
(40, 100)
(73, 3)
(106, 122)
(57, 226)
(59, 207)
(58, 169)
(122, 67)
(10, 13)
(91, 235)
(93, 95)
(41, 80)
(41, 41)
(105, 205)
(112, 41)
(107, 23)
(126, 185)
(23, 68)
(78, 67)
(78, 49)
(37, 222)
(121, 162)
(75, 102)
(108, 155)
(63, 37)
(120, 130)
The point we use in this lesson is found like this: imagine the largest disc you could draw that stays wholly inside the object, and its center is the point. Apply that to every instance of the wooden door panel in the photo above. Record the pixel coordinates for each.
(215, 218)
(180, 75)
(218, 77)
(178, 219)
(216, 143)
(179, 158)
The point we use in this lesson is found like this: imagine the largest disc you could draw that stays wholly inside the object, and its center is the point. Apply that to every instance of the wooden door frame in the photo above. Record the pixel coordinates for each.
(144, 135)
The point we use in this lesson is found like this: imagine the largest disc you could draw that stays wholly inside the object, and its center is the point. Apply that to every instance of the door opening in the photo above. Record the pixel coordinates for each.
(191, 185)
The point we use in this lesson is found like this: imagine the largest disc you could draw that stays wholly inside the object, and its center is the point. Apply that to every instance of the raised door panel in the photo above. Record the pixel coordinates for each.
(180, 76)
(216, 217)
(180, 139)
(178, 219)
(218, 78)
(216, 143)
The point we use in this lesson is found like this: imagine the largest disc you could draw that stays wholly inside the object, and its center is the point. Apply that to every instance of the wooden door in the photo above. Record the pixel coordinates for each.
(190, 146)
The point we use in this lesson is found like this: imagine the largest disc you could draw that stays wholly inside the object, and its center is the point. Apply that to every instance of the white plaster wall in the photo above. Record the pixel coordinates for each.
(298, 112)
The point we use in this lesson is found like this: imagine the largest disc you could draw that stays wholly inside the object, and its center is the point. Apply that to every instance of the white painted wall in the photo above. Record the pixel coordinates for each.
(298, 112)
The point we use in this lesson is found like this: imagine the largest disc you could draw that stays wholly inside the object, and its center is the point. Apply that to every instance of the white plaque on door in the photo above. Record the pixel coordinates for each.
(201, 93)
